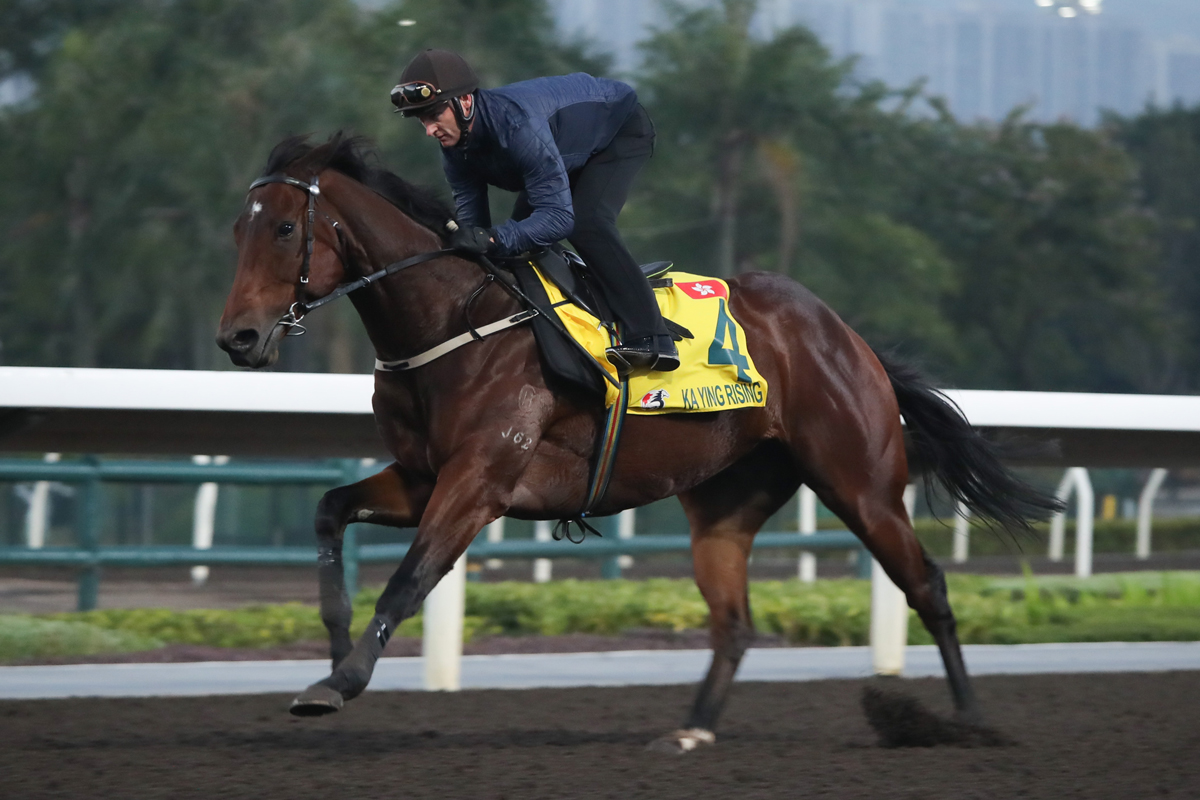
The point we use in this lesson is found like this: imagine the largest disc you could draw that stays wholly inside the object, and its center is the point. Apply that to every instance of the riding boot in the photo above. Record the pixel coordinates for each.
(644, 355)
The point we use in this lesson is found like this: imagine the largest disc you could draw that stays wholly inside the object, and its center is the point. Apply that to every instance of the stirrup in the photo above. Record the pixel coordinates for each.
(660, 356)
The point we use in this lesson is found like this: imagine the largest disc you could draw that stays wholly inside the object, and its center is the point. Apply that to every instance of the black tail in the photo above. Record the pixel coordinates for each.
(966, 463)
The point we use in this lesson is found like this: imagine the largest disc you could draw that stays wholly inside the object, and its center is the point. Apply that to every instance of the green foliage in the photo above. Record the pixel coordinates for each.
(573, 606)
(830, 613)
(1140, 606)
(1165, 143)
(1044, 223)
(253, 626)
(1008, 255)
(123, 174)
(23, 637)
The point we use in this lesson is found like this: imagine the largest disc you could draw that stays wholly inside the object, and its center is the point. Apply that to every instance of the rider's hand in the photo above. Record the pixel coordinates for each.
(470, 239)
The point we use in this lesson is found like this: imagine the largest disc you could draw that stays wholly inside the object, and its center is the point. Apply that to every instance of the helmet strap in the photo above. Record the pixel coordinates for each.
(463, 119)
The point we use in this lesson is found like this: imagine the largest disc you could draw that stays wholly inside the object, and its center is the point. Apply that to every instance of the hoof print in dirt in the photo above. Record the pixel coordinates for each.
(683, 741)
(901, 721)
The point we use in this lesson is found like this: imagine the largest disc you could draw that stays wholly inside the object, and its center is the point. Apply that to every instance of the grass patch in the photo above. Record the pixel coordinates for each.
(23, 637)
(1142, 606)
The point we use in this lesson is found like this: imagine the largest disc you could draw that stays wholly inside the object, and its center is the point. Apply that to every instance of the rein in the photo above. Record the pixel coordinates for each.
(301, 307)
(614, 419)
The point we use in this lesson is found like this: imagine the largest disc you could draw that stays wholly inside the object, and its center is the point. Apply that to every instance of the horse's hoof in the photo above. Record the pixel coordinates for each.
(682, 741)
(316, 701)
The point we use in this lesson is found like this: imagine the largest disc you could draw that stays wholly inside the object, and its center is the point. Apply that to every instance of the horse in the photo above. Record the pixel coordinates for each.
(832, 421)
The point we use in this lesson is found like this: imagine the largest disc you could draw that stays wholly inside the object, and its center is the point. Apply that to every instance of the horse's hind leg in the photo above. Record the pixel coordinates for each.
(869, 498)
(725, 513)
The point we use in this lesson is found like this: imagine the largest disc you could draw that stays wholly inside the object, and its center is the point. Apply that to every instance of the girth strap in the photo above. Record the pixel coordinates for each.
(607, 443)
(455, 343)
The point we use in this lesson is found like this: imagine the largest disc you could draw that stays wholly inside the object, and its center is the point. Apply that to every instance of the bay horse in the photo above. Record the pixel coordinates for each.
(832, 421)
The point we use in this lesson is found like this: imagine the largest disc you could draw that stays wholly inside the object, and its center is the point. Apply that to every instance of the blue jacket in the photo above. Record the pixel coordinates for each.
(530, 136)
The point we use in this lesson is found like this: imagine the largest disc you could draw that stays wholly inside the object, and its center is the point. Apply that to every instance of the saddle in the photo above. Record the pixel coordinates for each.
(567, 271)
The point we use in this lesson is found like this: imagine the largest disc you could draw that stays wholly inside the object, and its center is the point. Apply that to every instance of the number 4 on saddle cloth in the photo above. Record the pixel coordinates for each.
(716, 372)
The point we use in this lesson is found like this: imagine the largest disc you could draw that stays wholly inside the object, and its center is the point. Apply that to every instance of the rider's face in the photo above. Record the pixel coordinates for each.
(443, 125)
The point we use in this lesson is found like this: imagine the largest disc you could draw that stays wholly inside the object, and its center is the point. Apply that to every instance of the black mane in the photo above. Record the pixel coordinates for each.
(353, 156)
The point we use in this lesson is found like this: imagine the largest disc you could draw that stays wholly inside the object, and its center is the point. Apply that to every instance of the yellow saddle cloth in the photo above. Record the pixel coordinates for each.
(715, 371)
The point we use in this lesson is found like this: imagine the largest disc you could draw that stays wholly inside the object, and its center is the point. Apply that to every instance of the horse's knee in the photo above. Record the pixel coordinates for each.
(331, 513)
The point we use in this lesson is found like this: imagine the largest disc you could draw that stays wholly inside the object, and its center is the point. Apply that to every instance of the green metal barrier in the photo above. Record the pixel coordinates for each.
(90, 472)
(89, 556)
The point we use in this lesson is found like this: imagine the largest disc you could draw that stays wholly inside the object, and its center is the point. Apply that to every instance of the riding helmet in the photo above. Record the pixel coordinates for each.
(447, 72)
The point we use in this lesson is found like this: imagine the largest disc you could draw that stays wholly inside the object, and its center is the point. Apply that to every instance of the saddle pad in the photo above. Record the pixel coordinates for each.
(716, 372)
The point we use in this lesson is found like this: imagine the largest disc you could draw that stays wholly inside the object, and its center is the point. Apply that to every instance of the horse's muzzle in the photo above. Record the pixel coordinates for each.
(247, 347)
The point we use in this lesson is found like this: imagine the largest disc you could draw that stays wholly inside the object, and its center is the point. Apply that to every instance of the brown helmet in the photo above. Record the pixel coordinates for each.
(431, 79)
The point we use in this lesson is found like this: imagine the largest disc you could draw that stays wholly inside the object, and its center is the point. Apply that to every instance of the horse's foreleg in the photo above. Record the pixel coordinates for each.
(457, 509)
(385, 499)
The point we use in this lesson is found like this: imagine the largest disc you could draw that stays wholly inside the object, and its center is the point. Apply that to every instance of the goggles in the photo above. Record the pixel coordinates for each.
(413, 93)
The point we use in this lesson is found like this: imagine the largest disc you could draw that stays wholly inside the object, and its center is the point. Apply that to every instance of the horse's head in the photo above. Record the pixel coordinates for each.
(274, 234)
(322, 215)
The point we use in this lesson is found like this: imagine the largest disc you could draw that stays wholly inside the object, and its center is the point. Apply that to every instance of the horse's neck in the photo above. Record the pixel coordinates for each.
(411, 311)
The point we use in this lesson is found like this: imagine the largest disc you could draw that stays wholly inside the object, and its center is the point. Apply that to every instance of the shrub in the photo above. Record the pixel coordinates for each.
(24, 637)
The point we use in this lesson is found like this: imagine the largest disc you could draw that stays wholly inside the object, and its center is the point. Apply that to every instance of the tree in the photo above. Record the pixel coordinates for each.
(1045, 224)
(760, 165)
(124, 172)
(1165, 144)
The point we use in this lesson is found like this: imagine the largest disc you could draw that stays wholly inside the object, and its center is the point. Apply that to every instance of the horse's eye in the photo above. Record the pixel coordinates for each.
(285, 229)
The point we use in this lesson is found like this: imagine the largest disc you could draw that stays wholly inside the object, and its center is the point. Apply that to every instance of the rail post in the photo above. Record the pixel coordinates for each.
(442, 630)
(1145, 513)
(37, 517)
(1076, 478)
(806, 523)
(89, 537)
(204, 515)
(1084, 509)
(962, 533)
(889, 613)
(495, 533)
(626, 527)
(542, 569)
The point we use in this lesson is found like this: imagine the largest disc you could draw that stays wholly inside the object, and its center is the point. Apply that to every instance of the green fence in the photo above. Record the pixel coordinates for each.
(89, 556)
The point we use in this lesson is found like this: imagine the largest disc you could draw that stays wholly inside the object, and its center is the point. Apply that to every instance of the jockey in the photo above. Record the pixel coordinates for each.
(571, 147)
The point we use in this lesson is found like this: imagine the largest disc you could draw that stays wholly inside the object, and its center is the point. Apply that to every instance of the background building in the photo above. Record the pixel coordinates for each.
(985, 57)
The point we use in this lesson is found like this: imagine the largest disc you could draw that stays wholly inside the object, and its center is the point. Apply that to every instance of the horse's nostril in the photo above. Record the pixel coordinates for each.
(243, 340)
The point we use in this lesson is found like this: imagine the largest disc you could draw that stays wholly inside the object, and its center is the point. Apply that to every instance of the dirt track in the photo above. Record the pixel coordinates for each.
(1097, 736)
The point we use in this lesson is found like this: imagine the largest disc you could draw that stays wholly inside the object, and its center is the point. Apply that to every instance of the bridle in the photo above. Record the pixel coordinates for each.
(301, 307)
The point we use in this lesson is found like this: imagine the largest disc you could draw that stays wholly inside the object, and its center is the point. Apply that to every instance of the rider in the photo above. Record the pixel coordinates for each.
(571, 147)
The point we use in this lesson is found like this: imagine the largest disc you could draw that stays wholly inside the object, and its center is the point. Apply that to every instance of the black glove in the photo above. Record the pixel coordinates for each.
(469, 238)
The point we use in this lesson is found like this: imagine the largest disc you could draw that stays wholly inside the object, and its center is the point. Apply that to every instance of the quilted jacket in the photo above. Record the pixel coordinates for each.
(531, 136)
